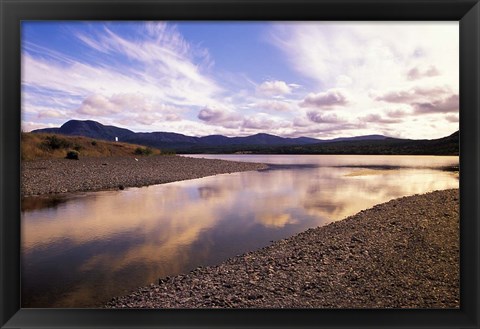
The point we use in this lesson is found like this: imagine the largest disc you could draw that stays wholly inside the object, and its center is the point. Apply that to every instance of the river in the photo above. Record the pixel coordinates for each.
(81, 249)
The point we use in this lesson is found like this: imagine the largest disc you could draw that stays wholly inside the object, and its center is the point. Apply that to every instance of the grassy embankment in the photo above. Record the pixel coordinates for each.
(47, 146)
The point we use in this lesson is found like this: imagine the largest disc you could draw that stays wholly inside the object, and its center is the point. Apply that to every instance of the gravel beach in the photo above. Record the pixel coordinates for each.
(94, 174)
(400, 254)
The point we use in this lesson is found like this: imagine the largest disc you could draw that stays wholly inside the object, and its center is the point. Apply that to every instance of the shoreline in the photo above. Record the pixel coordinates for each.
(400, 254)
(56, 176)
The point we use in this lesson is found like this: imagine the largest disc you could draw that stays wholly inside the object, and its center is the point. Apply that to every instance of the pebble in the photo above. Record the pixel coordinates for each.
(54, 176)
(423, 273)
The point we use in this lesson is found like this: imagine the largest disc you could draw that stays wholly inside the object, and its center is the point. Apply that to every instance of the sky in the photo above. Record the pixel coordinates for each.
(291, 79)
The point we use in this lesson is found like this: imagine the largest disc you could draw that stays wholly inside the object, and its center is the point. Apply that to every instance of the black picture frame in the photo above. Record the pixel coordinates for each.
(467, 12)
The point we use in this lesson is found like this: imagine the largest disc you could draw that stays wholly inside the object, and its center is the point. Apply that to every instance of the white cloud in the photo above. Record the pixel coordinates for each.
(377, 118)
(97, 105)
(319, 117)
(448, 104)
(424, 100)
(294, 85)
(367, 53)
(325, 100)
(28, 126)
(144, 110)
(397, 113)
(344, 81)
(218, 115)
(48, 113)
(264, 122)
(103, 105)
(452, 118)
(272, 88)
(414, 94)
(273, 105)
(417, 73)
(417, 70)
(302, 121)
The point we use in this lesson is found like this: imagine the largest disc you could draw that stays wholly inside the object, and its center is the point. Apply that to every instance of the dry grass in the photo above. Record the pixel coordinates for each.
(39, 146)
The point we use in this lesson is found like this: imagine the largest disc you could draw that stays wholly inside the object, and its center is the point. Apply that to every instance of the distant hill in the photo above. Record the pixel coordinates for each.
(358, 138)
(88, 128)
(258, 143)
(388, 146)
(97, 130)
(257, 139)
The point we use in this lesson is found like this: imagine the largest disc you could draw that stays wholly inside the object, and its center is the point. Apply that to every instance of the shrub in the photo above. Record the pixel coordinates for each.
(94, 143)
(54, 143)
(77, 147)
(72, 155)
(143, 151)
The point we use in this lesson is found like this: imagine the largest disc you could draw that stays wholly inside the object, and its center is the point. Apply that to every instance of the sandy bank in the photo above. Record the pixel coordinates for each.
(400, 254)
(94, 174)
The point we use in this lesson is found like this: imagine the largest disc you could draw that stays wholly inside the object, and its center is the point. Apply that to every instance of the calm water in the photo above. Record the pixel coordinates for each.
(83, 249)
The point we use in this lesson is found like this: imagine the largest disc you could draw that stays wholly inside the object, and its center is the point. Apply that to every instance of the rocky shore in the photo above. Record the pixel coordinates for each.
(94, 174)
(400, 254)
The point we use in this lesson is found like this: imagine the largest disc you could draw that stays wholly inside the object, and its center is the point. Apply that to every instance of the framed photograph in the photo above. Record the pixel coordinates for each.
(239, 164)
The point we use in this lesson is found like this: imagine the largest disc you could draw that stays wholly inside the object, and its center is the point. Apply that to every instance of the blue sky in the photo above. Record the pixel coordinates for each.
(316, 79)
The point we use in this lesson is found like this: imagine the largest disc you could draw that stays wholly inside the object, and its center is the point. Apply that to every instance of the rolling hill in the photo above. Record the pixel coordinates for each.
(48, 146)
(95, 129)
(448, 145)
(259, 143)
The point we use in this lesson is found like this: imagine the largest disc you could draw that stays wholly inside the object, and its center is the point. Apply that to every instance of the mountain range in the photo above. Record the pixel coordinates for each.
(258, 143)
(97, 130)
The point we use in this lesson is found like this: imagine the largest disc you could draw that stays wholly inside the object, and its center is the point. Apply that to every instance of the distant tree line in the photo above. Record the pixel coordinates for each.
(391, 146)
